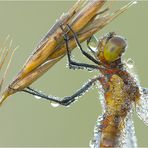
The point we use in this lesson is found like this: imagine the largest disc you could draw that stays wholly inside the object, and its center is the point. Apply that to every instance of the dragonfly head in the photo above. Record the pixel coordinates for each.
(111, 47)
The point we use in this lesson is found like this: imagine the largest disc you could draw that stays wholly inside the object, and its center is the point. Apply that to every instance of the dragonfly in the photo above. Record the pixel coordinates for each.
(120, 90)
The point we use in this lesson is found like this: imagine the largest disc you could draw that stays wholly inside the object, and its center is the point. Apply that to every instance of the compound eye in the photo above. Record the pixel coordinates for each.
(114, 48)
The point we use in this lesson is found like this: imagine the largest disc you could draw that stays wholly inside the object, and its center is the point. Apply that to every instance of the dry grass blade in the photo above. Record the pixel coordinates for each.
(3, 56)
(8, 66)
(6, 51)
(83, 20)
(52, 39)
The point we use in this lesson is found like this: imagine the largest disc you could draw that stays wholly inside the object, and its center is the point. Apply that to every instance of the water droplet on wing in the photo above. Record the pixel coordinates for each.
(130, 63)
(142, 108)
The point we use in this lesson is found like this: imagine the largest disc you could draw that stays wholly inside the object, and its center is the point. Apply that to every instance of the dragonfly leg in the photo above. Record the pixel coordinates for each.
(76, 65)
(66, 100)
(80, 47)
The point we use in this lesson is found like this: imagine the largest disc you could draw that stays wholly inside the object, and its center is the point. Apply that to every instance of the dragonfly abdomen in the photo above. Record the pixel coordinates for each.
(111, 127)
(117, 105)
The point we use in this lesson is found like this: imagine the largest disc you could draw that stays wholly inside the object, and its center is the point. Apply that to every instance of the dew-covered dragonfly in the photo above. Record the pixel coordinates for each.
(121, 91)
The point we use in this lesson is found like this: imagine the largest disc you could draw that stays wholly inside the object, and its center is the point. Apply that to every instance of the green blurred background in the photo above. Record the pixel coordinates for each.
(26, 121)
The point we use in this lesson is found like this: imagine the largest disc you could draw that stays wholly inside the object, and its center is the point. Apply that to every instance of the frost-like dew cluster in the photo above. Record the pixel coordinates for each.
(101, 96)
(95, 142)
(54, 97)
(130, 67)
(128, 138)
(142, 106)
(130, 63)
(77, 67)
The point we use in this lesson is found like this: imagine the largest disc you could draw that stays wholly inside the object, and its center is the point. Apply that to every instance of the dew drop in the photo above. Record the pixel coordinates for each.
(135, 2)
(54, 104)
(37, 97)
(93, 44)
(130, 63)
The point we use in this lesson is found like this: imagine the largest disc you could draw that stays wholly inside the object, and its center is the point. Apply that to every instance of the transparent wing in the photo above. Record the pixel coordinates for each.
(95, 142)
(128, 138)
(142, 106)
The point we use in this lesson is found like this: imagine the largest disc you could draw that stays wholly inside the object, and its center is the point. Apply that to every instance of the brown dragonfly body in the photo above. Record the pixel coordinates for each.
(120, 91)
